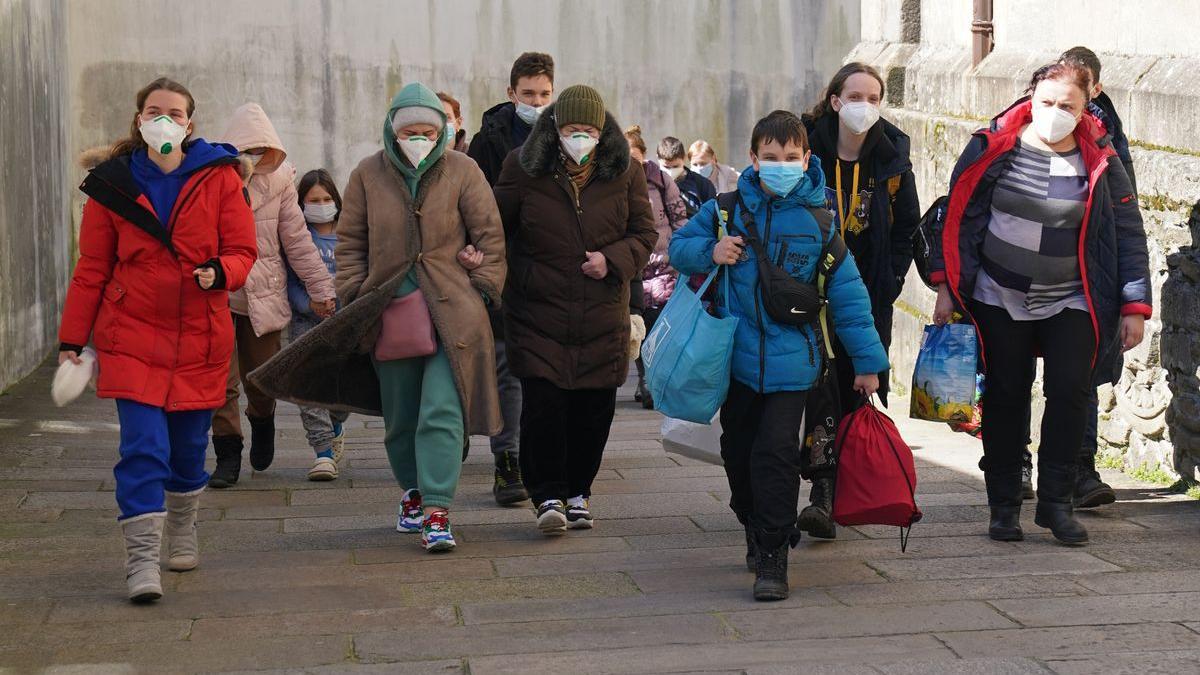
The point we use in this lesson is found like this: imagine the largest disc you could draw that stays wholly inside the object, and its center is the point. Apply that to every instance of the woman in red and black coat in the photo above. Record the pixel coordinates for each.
(167, 233)
(1043, 249)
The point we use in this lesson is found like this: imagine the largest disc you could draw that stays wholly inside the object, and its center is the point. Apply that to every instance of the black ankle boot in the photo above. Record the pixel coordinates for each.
(1006, 524)
(262, 442)
(817, 518)
(1004, 499)
(228, 450)
(770, 568)
(1056, 487)
(1090, 490)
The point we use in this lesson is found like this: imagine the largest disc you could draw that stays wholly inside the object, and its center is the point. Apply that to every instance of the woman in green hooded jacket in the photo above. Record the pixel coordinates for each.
(409, 211)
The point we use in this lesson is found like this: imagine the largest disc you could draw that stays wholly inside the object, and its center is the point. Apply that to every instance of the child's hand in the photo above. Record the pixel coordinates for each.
(728, 251)
(470, 257)
(866, 384)
(71, 356)
(205, 276)
(323, 308)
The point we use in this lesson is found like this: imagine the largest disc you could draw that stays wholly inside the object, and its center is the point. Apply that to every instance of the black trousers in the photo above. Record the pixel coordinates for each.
(760, 445)
(1066, 342)
(563, 434)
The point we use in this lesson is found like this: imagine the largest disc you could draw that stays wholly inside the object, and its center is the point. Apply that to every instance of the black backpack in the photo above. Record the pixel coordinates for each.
(928, 229)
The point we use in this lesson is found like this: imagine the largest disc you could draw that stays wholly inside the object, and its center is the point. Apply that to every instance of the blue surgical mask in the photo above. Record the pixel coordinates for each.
(781, 177)
(705, 170)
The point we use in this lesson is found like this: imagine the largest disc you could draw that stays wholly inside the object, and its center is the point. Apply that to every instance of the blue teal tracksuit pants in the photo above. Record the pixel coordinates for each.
(160, 452)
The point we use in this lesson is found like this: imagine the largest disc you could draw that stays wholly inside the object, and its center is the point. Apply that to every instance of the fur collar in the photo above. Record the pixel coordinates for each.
(540, 154)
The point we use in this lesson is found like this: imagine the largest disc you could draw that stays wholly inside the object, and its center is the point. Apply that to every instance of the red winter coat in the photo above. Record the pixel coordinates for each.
(160, 338)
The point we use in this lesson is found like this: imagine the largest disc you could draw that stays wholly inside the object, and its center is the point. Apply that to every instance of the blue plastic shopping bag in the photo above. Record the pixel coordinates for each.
(688, 355)
(943, 386)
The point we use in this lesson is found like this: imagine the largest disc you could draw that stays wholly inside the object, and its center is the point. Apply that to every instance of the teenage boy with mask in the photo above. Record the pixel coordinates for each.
(506, 126)
(775, 365)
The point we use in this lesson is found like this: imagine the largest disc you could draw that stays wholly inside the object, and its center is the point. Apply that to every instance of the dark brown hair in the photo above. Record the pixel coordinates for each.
(134, 141)
(1084, 57)
(319, 177)
(671, 148)
(634, 135)
(838, 83)
(453, 103)
(531, 64)
(780, 126)
(1071, 72)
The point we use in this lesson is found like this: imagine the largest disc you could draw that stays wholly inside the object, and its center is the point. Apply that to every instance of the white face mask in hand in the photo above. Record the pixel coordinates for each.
(416, 149)
(162, 134)
(578, 147)
(320, 213)
(1052, 123)
(859, 116)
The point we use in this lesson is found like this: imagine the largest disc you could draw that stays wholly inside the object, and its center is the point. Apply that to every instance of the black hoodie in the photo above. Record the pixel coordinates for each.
(499, 132)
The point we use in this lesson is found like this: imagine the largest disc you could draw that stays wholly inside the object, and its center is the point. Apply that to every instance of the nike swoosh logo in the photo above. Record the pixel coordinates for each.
(798, 311)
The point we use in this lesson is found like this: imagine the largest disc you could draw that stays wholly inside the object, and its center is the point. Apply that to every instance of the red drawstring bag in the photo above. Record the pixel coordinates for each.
(876, 477)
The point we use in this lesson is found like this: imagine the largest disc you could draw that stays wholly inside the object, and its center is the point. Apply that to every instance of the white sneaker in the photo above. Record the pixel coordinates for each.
(552, 518)
(323, 469)
(338, 445)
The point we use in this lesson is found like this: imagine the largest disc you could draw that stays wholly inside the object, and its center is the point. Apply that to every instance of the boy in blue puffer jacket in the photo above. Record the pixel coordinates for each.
(775, 365)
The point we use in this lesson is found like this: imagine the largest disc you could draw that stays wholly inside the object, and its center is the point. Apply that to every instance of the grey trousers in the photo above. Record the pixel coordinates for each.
(508, 440)
(319, 423)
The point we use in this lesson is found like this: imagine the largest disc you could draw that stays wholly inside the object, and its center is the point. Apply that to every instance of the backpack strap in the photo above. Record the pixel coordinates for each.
(833, 253)
(726, 203)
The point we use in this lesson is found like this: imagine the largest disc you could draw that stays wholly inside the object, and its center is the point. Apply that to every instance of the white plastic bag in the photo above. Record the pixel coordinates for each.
(70, 380)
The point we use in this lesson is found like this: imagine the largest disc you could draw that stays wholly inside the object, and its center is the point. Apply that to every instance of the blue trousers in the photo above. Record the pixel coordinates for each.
(160, 452)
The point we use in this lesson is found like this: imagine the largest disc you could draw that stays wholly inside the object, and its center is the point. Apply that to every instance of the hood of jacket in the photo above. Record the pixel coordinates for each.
(543, 151)
(250, 128)
(414, 95)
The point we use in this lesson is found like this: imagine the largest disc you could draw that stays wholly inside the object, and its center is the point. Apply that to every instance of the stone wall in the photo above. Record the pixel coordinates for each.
(938, 98)
(34, 187)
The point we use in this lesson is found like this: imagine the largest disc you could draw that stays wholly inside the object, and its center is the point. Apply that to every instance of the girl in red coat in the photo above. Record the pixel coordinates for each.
(167, 233)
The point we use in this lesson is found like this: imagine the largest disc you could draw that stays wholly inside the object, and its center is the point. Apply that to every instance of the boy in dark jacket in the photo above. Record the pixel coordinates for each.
(504, 127)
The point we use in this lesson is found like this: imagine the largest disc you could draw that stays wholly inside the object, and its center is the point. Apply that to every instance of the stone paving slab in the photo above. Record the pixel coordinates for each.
(300, 577)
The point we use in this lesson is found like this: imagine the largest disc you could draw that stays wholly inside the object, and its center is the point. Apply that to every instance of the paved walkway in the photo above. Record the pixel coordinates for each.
(309, 576)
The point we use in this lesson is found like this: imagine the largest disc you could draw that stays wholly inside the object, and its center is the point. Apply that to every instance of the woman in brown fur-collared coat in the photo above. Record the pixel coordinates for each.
(580, 228)
(409, 211)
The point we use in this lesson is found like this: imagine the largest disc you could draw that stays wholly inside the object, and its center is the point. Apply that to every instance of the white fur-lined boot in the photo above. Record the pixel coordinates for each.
(143, 539)
(183, 551)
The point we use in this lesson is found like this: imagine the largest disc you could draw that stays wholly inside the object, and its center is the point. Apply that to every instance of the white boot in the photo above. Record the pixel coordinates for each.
(143, 539)
(183, 551)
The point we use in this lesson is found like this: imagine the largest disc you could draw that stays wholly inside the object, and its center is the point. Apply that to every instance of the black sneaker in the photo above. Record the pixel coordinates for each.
(579, 517)
(508, 488)
(552, 518)
(1027, 483)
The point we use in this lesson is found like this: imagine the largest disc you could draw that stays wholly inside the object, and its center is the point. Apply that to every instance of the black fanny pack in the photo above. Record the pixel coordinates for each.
(786, 299)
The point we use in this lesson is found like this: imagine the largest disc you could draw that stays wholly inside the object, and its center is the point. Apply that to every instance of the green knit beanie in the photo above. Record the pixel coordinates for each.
(579, 104)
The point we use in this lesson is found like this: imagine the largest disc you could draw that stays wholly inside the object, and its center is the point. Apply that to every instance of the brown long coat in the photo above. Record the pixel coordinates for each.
(382, 234)
(561, 325)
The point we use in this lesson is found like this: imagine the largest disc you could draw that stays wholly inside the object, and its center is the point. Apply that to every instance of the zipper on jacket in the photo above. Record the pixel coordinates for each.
(762, 330)
(573, 195)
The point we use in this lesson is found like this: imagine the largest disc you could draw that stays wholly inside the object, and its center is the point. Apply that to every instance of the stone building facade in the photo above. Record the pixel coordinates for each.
(1151, 70)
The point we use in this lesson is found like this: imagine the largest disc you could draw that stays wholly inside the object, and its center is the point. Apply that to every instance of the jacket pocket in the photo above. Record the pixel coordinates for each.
(220, 330)
(106, 333)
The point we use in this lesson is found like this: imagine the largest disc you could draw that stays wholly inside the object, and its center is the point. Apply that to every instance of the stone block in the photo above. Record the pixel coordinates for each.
(1103, 610)
(734, 576)
(717, 657)
(984, 567)
(843, 622)
(943, 590)
(1057, 643)
(342, 622)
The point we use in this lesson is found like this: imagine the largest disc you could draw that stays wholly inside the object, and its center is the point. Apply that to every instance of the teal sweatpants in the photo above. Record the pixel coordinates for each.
(423, 422)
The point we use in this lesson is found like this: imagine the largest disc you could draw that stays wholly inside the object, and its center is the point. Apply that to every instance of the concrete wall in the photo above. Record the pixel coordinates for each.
(34, 188)
(325, 70)
(1150, 71)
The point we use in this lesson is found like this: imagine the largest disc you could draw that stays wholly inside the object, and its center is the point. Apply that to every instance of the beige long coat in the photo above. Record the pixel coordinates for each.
(383, 232)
